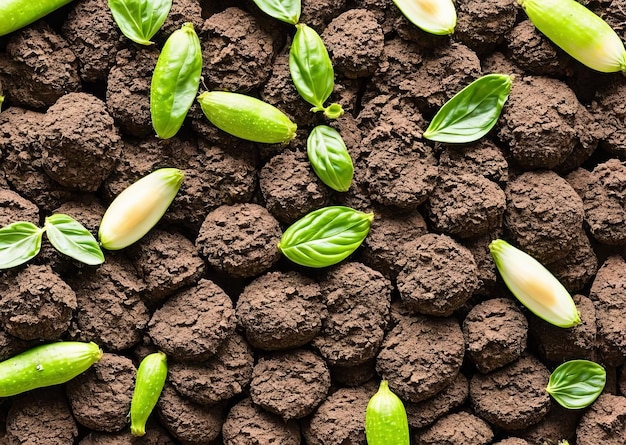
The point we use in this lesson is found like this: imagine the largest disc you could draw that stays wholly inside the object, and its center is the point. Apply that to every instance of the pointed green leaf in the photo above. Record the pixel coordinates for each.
(287, 11)
(326, 236)
(329, 158)
(19, 242)
(69, 237)
(140, 20)
(472, 112)
(577, 383)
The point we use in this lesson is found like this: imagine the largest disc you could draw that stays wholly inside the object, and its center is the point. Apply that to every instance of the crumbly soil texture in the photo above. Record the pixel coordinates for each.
(260, 350)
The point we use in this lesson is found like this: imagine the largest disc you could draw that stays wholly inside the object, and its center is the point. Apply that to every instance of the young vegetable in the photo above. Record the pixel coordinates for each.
(139, 20)
(579, 32)
(175, 81)
(18, 13)
(138, 208)
(312, 70)
(1, 101)
(46, 365)
(247, 117)
(472, 112)
(329, 158)
(148, 386)
(577, 383)
(325, 236)
(433, 16)
(287, 11)
(385, 419)
(534, 286)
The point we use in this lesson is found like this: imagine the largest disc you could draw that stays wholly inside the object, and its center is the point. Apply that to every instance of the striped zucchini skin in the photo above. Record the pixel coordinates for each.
(579, 32)
(150, 380)
(46, 365)
(16, 14)
(385, 419)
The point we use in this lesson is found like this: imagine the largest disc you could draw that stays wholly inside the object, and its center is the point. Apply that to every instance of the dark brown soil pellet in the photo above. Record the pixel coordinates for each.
(154, 436)
(482, 25)
(604, 422)
(577, 269)
(427, 412)
(456, 429)
(482, 157)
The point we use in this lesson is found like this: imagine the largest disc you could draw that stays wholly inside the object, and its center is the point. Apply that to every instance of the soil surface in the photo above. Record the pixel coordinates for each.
(260, 350)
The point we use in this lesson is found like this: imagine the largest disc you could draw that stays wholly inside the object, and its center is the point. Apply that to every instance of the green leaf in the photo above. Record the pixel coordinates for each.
(19, 242)
(577, 383)
(325, 236)
(312, 70)
(287, 11)
(139, 20)
(329, 158)
(472, 112)
(69, 237)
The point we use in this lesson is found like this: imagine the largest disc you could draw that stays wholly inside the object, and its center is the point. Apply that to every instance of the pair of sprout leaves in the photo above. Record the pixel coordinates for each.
(575, 384)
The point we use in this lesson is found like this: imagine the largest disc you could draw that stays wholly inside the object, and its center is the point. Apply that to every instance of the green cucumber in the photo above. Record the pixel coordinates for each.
(18, 13)
(385, 419)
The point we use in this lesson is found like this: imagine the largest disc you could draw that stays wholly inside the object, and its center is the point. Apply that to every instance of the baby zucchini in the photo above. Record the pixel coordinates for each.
(148, 386)
(18, 13)
(385, 419)
(46, 365)
(247, 117)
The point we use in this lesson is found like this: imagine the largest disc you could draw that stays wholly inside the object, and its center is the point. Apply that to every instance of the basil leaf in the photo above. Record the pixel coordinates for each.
(287, 11)
(312, 70)
(139, 20)
(472, 112)
(69, 237)
(19, 242)
(329, 158)
(325, 236)
(577, 383)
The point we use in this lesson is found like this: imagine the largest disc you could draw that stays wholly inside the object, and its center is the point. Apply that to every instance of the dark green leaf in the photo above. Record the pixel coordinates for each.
(19, 242)
(139, 20)
(69, 237)
(472, 112)
(326, 236)
(287, 11)
(329, 158)
(577, 383)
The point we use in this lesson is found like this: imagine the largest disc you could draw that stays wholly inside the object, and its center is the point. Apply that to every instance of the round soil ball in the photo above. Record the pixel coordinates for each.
(81, 144)
(357, 299)
(400, 60)
(355, 43)
(248, 424)
(100, 398)
(604, 422)
(42, 67)
(194, 323)
(608, 109)
(167, 262)
(238, 53)
(339, 419)
(482, 158)
(317, 13)
(482, 24)
(544, 215)
(604, 201)
(291, 384)
(36, 304)
(223, 376)
(512, 441)
(41, 417)
(189, 422)
(353, 375)
(10, 346)
(513, 397)
(389, 233)
(290, 187)
(496, 333)
(421, 356)
(155, 435)
(280, 310)
(466, 205)
(439, 276)
(240, 240)
(425, 413)
(487, 274)
(110, 310)
(456, 429)
(578, 268)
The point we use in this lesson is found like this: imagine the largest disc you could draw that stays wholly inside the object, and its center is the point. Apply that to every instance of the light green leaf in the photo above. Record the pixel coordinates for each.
(19, 242)
(577, 383)
(287, 11)
(329, 158)
(69, 237)
(140, 20)
(472, 112)
(326, 236)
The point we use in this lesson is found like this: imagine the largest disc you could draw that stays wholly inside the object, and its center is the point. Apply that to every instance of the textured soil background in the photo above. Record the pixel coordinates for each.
(262, 351)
